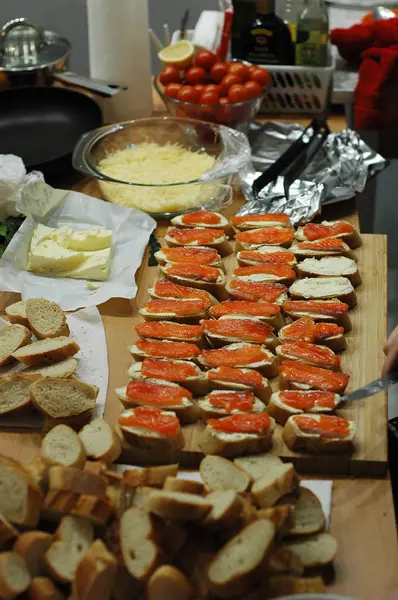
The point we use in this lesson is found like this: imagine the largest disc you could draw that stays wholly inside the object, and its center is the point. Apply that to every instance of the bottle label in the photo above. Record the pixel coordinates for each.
(311, 48)
(262, 50)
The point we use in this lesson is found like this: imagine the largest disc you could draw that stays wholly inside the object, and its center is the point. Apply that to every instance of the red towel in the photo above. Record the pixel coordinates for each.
(374, 46)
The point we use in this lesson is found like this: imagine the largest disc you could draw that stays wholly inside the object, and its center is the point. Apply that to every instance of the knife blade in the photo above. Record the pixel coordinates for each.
(184, 24)
(378, 385)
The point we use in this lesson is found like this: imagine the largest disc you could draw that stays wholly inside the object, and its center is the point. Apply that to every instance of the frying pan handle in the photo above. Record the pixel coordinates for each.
(101, 88)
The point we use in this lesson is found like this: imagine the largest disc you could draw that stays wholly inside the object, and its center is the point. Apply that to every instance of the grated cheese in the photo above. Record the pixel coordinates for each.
(150, 163)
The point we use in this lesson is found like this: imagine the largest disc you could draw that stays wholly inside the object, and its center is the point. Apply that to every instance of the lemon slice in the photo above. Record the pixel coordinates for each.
(179, 54)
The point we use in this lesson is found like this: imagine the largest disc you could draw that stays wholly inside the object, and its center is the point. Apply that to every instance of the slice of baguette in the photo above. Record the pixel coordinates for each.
(62, 446)
(340, 318)
(178, 506)
(308, 517)
(162, 258)
(95, 509)
(257, 466)
(283, 560)
(100, 441)
(20, 497)
(218, 340)
(208, 411)
(197, 384)
(352, 238)
(285, 585)
(330, 266)
(72, 540)
(46, 319)
(189, 486)
(168, 583)
(281, 411)
(279, 480)
(221, 243)
(186, 411)
(151, 440)
(15, 394)
(262, 392)
(216, 289)
(62, 398)
(223, 223)
(141, 555)
(149, 476)
(226, 510)
(314, 551)
(14, 576)
(267, 366)
(310, 354)
(240, 563)
(95, 574)
(315, 252)
(324, 288)
(297, 440)
(62, 370)
(46, 352)
(281, 516)
(8, 533)
(12, 338)
(42, 588)
(31, 546)
(235, 444)
(76, 481)
(218, 473)
(16, 313)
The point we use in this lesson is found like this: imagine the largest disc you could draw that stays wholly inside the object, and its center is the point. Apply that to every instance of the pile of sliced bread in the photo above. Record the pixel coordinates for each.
(70, 526)
(44, 384)
(211, 342)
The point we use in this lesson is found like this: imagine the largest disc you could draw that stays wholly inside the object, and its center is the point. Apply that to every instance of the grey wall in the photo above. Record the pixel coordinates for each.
(69, 18)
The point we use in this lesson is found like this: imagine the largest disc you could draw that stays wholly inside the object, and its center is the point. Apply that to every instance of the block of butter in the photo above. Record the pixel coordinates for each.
(65, 252)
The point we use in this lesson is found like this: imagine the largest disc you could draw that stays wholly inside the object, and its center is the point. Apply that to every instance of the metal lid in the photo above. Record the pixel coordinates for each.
(25, 46)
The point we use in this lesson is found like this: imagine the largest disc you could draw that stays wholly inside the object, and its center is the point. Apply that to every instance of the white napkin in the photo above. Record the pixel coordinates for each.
(87, 329)
(55, 208)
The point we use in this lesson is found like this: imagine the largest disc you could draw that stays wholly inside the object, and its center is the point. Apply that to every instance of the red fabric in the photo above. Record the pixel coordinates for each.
(374, 46)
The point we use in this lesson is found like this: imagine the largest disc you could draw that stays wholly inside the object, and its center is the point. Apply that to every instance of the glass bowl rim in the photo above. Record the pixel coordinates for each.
(103, 132)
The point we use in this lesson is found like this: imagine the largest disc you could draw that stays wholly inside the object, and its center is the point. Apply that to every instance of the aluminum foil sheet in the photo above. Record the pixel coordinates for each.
(338, 172)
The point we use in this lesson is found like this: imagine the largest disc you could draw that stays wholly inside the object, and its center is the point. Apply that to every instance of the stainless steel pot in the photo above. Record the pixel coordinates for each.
(33, 56)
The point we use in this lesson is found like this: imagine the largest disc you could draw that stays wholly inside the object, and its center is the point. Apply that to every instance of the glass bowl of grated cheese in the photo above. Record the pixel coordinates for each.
(157, 164)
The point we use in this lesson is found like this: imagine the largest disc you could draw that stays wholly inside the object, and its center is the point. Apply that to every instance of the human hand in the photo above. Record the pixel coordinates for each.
(391, 351)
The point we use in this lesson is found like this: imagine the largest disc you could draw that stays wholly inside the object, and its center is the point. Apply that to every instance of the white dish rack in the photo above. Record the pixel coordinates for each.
(295, 90)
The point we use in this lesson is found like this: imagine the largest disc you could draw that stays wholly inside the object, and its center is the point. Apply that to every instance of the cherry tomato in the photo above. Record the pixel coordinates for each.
(205, 59)
(169, 74)
(209, 98)
(252, 68)
(240, 70)
(212, 87)
(223, 101)
(172, 89)
(262, 77)
(236, 93)
(200, 88)
(195, 75)
(227, 81)
(218, 71)
(252, 89)
(188, 94)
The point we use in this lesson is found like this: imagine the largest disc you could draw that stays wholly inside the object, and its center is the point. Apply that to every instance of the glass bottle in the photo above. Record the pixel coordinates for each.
(291, 13)
(267, 41)
(312, 35)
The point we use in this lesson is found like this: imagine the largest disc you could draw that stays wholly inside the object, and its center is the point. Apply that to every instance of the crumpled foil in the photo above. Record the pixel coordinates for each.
(338, 172)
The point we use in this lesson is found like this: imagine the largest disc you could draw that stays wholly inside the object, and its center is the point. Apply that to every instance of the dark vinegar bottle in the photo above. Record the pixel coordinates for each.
(268, 40)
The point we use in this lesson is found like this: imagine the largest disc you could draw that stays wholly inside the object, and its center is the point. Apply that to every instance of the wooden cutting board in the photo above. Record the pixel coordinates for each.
(362, 361)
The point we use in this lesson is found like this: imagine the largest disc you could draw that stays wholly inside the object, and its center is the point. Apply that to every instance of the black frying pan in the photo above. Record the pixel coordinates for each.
(43, 124)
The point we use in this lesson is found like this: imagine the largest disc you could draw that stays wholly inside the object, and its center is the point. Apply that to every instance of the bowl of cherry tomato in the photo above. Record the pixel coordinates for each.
(228, 93)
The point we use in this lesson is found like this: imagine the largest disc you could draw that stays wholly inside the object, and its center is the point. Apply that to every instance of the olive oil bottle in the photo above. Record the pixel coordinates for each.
(312, 35)
(267, 41)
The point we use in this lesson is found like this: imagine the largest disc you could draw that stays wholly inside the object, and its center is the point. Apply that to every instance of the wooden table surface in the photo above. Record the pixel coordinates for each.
(362, 517)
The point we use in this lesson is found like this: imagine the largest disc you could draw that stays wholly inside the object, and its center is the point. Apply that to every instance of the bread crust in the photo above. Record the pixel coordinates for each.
(31, 308)
(266, 492)
(114, 449)
(20, 317)
(168, 583)
(42, 588)
(34, 498)
(189, 486)
(24, 341)
(139, 439)
(180, 506)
